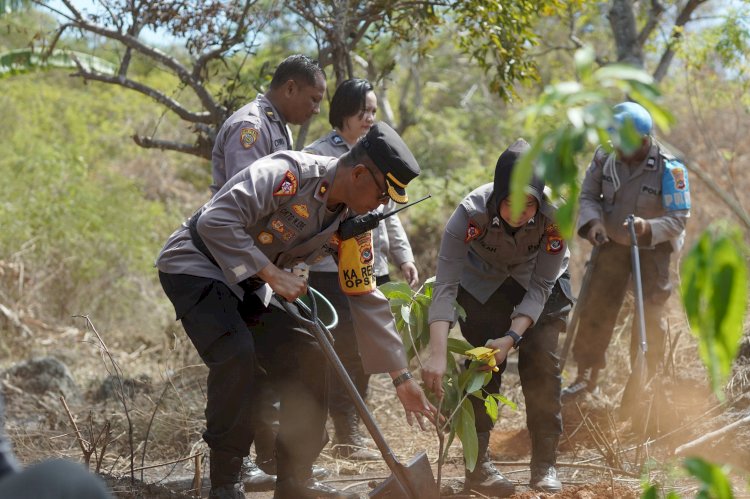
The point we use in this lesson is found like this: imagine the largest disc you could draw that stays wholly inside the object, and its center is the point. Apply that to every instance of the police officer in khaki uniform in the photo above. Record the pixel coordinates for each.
(254, 131)
(510, 277)
(219, 270)
(260, 127)
(652, 185)
(353, 109)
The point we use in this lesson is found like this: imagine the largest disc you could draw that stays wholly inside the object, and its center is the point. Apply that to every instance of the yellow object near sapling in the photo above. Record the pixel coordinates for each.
(484, 354)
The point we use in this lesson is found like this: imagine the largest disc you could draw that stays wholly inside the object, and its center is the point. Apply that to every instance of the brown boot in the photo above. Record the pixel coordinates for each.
(543, 459)
(348, 442)
(485, 478)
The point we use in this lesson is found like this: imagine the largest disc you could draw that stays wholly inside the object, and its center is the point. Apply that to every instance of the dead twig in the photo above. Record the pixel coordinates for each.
(168, 463)
(85, 446)
(150, 423)
(121, 393)
(197, 477)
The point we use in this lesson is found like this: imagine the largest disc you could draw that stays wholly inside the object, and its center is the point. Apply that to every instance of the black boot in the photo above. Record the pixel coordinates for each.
(585, 382)
(297, 483)
(348, 442)
(485, 478)
(225, 476)
(543, 459)
(256, 479)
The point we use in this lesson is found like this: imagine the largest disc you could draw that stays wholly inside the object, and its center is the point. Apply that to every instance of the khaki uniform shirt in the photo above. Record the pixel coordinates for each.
(255, 130)
(639, 193)
(275, 212)
(478, 253)
(389, 237)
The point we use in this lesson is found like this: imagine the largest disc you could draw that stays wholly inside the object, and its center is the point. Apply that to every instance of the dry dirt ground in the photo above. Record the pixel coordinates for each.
(160, 419)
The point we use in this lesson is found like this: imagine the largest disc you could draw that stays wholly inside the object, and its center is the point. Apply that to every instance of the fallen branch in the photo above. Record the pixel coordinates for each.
(688, 447)
(15, 320)
(168, 463)
(582, 466)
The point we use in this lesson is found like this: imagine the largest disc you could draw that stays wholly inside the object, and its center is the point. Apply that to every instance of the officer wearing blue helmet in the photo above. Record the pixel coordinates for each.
(652, 185)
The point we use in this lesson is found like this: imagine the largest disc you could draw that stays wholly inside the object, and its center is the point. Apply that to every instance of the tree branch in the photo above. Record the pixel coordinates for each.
(733, 205)
(201, 149)
(708, 437)
(682, 19)
(654, 13)
(156, 95)
(181, 71)
(226, 44)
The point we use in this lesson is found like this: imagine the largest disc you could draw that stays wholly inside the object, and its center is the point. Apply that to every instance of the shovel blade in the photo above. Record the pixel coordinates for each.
(631, 403)
(420, 482)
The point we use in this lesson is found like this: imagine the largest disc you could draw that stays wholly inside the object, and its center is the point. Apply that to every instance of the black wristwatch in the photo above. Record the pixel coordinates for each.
(516, 337)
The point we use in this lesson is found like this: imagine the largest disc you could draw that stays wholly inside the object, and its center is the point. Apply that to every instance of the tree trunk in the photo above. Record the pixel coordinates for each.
(622, 19)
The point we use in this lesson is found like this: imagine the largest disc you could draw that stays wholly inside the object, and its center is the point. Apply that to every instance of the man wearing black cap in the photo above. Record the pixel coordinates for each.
(221, 271)
(258, 129)
(510, 276)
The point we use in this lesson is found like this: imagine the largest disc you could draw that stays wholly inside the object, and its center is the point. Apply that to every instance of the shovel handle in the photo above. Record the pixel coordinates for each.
(636, 261)
(322, 335)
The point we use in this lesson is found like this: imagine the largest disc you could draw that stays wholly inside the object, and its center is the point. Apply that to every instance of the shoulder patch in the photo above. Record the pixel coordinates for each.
(675, 186)
(472, 231)
(554, 239)
(288, 185)
(336, 139)
(248, 137)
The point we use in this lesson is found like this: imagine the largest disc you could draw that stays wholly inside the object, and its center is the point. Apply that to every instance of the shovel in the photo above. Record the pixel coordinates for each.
(638, 374)
(412, 481)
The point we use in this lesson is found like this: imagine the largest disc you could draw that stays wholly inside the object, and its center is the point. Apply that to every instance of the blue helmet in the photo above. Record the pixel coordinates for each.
(636, 113)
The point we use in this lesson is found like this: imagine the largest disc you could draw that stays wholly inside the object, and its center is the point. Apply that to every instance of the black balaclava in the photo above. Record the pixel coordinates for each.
(504, 170)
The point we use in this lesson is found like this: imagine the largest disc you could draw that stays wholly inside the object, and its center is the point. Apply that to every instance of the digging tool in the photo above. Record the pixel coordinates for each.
(575, 318)
(638, 372)
(411, 481)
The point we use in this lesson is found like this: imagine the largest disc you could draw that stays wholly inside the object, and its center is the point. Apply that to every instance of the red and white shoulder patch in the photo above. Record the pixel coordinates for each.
(288, 185)
(555, 242)
(472, 231)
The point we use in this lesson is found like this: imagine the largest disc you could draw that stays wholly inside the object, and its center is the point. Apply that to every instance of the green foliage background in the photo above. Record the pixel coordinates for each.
(84, 231)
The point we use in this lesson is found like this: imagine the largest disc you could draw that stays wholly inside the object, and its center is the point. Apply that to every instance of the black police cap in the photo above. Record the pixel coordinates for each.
(392, 157)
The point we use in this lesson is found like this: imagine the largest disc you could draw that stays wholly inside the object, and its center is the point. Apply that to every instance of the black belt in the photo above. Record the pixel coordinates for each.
(196, 238)
(248, 285)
